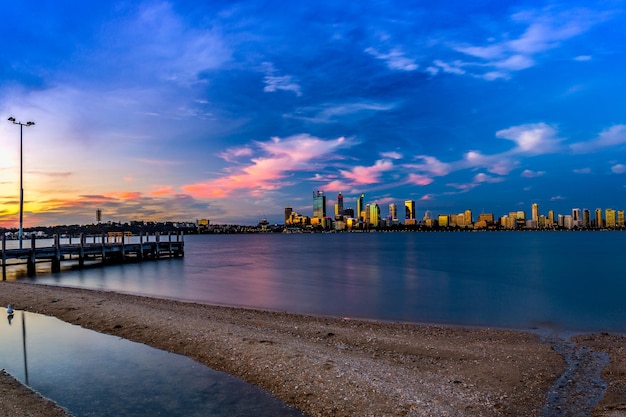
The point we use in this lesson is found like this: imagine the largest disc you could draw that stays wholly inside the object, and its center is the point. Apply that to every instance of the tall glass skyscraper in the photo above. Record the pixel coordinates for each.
(319, 204)
(360, 207)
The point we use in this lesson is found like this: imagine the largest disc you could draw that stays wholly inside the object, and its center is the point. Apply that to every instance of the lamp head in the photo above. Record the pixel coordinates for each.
(12, 119)
(30, 123)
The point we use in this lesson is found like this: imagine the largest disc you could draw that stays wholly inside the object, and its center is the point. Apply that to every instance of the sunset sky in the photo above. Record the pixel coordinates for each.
(231, 111)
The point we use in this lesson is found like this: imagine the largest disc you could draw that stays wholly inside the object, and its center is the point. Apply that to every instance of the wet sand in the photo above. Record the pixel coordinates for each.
(337, 366)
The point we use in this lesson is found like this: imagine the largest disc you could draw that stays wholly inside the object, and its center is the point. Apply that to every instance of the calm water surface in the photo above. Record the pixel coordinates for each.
(561, 280)
(92, 374)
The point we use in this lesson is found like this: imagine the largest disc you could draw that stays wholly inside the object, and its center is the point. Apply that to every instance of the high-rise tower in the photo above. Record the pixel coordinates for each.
(339, 207)
(535, 212)
(409, 210)
(319, 204)
(360, 207)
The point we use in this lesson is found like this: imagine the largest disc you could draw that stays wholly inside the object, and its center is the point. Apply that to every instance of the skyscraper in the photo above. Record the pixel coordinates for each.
(360, 208)
(288, 211)
(611, 220)
(374, 215)
(319, 204)
(468, 218)
(393, 212)
(339, 207)
(535, 212)
(599, 222)
(409, 210)
(586, 218)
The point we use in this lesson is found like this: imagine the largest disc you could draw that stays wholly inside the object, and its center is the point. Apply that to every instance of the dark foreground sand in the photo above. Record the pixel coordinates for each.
(333, 366)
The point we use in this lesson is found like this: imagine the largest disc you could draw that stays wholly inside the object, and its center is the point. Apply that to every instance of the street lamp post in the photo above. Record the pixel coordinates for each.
(21, 233)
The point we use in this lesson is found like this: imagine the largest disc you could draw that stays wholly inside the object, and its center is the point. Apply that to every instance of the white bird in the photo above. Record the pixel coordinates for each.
(9, 309)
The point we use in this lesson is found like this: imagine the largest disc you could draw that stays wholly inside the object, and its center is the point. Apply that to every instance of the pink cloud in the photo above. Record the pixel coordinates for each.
(368, 175)
(419, 179)
(268, 172)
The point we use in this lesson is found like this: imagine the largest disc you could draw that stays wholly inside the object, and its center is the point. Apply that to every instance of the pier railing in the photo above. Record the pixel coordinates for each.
(107, 248)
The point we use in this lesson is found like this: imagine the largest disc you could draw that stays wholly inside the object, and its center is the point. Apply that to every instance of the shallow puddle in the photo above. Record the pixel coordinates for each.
(93, 374)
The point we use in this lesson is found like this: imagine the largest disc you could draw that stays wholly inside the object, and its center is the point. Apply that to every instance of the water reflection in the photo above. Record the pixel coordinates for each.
(92, 374)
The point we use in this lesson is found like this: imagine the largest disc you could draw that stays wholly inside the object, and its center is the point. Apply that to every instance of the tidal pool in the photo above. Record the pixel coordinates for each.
(93, 374)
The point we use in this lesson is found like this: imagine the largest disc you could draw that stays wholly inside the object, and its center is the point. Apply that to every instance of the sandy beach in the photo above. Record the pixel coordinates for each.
(335, 366)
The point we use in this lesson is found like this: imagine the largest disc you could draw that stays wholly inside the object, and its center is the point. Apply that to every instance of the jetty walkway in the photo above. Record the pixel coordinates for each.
(111, 248)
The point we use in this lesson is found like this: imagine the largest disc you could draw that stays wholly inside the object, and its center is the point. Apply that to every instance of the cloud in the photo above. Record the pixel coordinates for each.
(542, 30)
(481, 177)
(534, 138)
(391, 155)
(331, 112)
(394, 59)
(233, 154)
(527, 173)
(583, 58)
(274, 82)
(496, 164)
(582, 170)
(361, 175)
(613, 136)
(279, 159)
(557, 198)
(618, 169)
(418, 179)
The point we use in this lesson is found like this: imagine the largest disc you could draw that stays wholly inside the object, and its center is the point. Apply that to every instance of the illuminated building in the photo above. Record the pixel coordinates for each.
(360, 208)
(535, 212)
(374, 215)
(598, 220)
(611, 220)
(620, 218)
(288, 211)
(460, 220)
(586, 218)
(393, 212)
(339, 207)
(319, 205)
(428, 215)
(443, 220)
(550, 219)
(468, 218)
(486, 217)
(409, 210)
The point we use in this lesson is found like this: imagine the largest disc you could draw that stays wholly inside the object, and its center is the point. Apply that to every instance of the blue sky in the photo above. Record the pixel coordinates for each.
(232, 110)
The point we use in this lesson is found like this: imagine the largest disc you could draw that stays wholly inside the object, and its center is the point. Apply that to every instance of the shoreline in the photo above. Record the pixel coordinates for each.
(333, 366)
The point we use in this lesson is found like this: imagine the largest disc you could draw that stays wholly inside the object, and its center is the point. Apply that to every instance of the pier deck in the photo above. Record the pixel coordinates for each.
(108, 249)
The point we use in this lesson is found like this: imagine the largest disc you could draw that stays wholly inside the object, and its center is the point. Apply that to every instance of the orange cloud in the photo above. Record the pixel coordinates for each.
(162, 190)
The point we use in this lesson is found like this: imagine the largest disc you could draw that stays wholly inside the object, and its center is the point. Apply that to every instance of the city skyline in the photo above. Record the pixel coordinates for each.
(171, 110)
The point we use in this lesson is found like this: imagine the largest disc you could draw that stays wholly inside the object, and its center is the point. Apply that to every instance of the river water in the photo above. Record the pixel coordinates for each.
(563, 281)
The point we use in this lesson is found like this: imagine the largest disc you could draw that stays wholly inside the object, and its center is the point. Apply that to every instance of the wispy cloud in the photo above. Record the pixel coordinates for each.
(279, 159)
(274, 82)
(542, 30)
(618, 169)
(395, 59)
(536, 138)
(613, 136)
(527, 173)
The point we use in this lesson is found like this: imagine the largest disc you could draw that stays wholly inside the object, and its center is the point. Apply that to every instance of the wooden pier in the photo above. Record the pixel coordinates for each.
(108, 249)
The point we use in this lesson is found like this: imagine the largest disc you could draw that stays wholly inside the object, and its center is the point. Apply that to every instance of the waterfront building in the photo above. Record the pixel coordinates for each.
(620, 218)
(360, 208)
(576, 217)
(535, 212)
(469, 220)
(611, 220)
(586, 218)
(443, 220)
(319, 205)
(550, 221)
(409, 210)
(374, 214)
(568, 222)
(486, 217)
(288, 211)
(460, 220)
(339, 207)
(599, 223)
(349, 212)
(393, 212)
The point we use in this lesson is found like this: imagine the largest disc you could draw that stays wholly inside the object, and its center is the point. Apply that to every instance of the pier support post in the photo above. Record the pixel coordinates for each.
(157, 249)
(169, 244)
(123, 238)
(81, 252)
(104, 252)
(4, 257)
(31, 263)
(140, 254)
(56, 260)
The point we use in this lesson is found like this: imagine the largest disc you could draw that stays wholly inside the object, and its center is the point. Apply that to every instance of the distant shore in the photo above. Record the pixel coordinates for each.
(331, 366)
